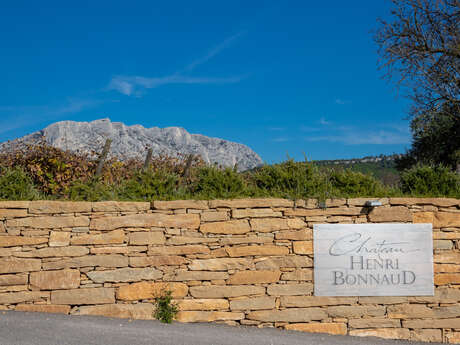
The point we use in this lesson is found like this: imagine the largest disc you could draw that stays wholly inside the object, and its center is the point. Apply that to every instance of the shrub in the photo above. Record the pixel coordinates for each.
(213, 182)
(165, 309)
(93, 189)
(348, 183)
(426, 180)
(15, 184)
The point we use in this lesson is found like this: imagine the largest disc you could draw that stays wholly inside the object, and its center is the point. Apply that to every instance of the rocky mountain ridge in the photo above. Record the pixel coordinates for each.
(133, 142)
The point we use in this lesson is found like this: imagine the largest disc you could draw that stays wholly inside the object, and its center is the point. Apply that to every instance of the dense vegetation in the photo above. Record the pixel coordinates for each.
(43, 172)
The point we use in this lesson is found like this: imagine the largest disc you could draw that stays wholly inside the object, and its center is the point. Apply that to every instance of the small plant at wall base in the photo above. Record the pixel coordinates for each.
(165, 309)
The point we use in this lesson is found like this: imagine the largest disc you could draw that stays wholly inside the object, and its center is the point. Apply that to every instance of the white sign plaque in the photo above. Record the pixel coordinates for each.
(373, 259)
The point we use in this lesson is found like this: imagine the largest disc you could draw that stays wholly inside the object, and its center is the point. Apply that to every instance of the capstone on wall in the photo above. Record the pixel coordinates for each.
(247, 262)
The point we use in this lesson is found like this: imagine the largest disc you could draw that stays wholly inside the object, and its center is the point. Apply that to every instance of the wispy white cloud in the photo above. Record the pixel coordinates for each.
(135, 85)
(341, 101)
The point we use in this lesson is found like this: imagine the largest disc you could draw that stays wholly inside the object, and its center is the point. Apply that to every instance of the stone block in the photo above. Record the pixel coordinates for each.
(441, 202)
(83, 296)
(12, 213)
(426, 335)
(290, 289)
(56, 252)
(447, 258)
(59, 239)
(298, 275)
(255, 213)
(180, 204)
(184, 275)
(374, 323)
(149, 290)
(447, 278)
(108, 261)
(446, 220)
(23, 296)
(188, 221)
(254, 277)
(49, 222)
(203, 304)
(288, 315)
(124, 275)
(263, 250)
(315, 301)
(287, 261)
(13, 279)
(363, 201)
(140, 311)
(246, 240)
(240, 226)
(179, 250)
(14, 204)
(386, 333)
(155, 261)
(276, 224)
(119, 206)
(390, 214)
(178, 240)
(145, 238)
(44, 308)
(431, 323)
(55, 207)
(303, 247)
(55, 280)
(443, 244)
(215, 291)
(15, 265)
(207, 316)
(355, 311)
(326, 327)
(221, 264)
(214, 216)
(253, 303)
(112, 237)
(250, 203)
(16, 241)
(296, 235)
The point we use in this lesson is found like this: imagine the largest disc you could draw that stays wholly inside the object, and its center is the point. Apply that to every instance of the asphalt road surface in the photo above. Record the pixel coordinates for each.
(19, 328)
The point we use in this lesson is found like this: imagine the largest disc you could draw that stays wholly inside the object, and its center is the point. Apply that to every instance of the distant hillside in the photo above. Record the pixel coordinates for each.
(382, 167)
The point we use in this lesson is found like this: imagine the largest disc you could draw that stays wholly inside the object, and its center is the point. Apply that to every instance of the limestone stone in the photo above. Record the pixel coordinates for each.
(155, 261)
(118, 206)
(315, 301)
(54, 207)
(386, 333)
(14, 241)
(215, 291)
(189, 221)
(290, 289)
(326, 327)
(240, 226)
(118, 250)
(108, 261)
(374, 323)
(221, 264)
(178, 204)
(303, 247)
(12, 213)
(112, 237)
(55, 280)
(141, 238)
(203, 304)
(446, 268)
(296, 235)
(287, 261)
(249, 203)
(390, 214)
(14, 204)
(179, 250)
(207, 316)
(423, 217)
(49, 222)
(335, 211)
(23, 296)
(140, 311)
(443, 244)
(16, 265)
(124, 275)
(177, 240)
(254, 277)
(184, 275)
(363, 201)
(288, 315)
(355, 311)
(255, 213)
(149, 290)
(13, 279)
(44, 308)
(427, 335)
(441, 295)
(262, 250)
(447, 278)
(276, 224)
(446, 219)
(382, 300)
(431, 323)
(447, 258)
(59, 238)
(246, 240)
(442, 202)
(253, 303)
(335, 202)
(304, 275)
(453, 337)
(214, 216)
(59, 252)
(83, 296)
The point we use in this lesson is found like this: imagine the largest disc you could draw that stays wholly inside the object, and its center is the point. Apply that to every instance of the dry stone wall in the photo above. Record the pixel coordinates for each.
(247, 262)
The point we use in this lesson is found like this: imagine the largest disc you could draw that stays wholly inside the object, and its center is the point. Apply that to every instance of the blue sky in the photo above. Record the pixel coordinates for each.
(290, 77)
